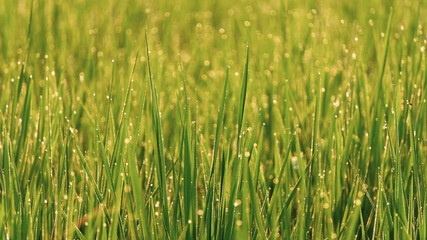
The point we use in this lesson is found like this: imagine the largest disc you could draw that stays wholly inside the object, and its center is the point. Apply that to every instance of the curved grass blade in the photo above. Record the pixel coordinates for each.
(157, 128)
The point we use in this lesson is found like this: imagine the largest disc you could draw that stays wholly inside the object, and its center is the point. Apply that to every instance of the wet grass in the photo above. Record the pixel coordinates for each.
(213, 119)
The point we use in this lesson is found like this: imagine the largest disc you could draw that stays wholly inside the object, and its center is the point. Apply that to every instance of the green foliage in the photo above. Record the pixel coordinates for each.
(241, 120)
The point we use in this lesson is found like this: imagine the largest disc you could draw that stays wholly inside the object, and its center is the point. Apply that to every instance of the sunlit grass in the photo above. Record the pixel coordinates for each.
(213, 119)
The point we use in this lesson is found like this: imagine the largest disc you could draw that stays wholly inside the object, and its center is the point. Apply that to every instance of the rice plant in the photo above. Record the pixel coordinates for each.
(213, 119)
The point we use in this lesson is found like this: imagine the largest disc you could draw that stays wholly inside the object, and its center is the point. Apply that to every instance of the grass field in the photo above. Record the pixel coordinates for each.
(213, 119)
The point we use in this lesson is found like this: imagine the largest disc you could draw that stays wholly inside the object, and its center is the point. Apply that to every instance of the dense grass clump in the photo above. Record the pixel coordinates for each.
(213, 119)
